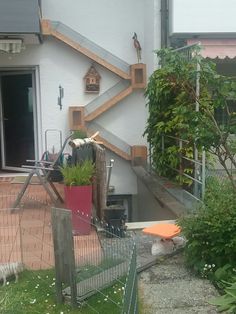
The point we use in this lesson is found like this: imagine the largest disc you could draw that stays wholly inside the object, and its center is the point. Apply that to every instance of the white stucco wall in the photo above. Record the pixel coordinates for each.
(110, 24)
(191, 16)
(61, 65)
(127, 119)
(152, 34)
(58, 65)
(123, 177)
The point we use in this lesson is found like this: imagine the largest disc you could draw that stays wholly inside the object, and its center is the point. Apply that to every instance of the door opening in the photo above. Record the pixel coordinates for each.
(17, 119)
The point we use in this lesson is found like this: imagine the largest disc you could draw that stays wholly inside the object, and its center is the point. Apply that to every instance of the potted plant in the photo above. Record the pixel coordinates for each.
(78, 194)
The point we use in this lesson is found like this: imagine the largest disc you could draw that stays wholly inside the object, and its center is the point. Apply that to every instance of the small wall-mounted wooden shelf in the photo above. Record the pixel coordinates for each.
(76, 118)
(139, 155)
(138, 75)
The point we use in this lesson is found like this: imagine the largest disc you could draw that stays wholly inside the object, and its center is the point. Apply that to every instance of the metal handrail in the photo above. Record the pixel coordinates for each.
(197, 162)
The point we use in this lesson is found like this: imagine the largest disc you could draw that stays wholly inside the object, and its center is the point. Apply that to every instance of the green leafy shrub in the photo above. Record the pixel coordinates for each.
(223, 276)
(227, 302)
(80, 174)
(171, 100)
(78, 134)
(211, 230)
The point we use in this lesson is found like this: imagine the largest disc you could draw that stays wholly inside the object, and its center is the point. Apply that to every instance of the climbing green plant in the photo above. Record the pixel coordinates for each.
(172, 101)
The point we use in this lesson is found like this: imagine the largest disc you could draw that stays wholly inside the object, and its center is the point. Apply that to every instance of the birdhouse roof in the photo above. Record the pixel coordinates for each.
(92, 72)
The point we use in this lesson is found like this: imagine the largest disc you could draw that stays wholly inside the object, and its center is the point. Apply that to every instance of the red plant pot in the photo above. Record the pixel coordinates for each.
(79, 200)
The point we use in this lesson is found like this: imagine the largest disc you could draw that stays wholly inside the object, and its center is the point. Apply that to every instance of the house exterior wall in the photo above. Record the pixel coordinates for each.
(111, 25)
(152, 34)
(58, 65)
(211, 16)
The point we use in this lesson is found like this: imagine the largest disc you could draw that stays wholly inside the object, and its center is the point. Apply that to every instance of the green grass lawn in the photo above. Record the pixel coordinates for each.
(35, 294)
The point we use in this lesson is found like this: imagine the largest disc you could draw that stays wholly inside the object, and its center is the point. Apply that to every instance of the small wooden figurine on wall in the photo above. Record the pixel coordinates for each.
(92, 81)
(137, 46)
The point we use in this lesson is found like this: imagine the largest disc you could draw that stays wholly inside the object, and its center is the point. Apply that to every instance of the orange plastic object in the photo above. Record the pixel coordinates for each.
(166, 231)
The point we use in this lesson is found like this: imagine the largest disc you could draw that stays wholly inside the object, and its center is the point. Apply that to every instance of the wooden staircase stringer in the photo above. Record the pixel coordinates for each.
(109, 104)
(110, 146)
(49, 31)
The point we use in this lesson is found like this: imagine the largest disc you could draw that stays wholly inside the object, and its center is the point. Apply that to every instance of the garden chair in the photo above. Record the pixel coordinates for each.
(43, 169)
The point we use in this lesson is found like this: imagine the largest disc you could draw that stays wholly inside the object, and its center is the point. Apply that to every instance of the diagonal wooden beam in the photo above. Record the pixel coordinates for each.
(108, 104)
(110, 146)
(49, 31)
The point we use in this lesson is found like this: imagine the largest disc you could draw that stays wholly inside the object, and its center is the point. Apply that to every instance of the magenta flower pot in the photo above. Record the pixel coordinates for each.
(79, 200)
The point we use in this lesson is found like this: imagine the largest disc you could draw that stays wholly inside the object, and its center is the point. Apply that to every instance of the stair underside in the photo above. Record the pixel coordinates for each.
(109, 104)
(47, 29)
(110, 146)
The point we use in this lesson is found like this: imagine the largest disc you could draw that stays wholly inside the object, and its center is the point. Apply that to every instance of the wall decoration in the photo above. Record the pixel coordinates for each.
(61, 95)
(137, 46)
(92, 81)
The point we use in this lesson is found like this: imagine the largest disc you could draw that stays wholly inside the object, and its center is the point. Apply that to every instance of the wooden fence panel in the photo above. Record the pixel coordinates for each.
(64, 253)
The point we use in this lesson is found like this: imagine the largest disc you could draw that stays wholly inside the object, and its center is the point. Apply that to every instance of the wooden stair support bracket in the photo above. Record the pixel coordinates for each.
(108, 104)
(139, 155)
(46, 27)
(138, 75)
(76, 118)
(48, 30)
(110, 146)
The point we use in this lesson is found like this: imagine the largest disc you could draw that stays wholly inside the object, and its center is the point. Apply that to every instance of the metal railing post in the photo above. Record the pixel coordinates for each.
(203, 173)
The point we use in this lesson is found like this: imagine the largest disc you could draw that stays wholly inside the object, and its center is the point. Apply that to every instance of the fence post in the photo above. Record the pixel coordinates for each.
(64, 253)
(181, 167)
(130, 303)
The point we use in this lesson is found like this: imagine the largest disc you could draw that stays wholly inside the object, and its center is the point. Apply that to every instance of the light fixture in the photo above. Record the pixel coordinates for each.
(11, 45)
(61, 95)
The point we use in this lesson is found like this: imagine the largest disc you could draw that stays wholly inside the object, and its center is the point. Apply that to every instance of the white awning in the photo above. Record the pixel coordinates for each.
(20, 17)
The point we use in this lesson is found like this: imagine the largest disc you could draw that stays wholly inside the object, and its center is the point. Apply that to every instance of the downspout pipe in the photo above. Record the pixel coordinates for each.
(164, 23)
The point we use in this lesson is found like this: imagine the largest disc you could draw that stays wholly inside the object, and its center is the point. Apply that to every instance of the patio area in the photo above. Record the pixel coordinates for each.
(25, 233)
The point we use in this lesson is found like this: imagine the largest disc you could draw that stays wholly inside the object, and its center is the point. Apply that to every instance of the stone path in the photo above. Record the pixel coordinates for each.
(168, 287)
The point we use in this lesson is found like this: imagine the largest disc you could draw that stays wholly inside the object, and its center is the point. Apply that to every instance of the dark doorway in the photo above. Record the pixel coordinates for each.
(17, 122)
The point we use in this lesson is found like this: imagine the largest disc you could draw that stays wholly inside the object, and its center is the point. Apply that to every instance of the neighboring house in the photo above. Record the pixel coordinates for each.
(47, 49)
(210, 23)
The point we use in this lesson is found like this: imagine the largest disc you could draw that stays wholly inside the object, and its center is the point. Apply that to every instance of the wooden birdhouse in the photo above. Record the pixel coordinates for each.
(92, 81)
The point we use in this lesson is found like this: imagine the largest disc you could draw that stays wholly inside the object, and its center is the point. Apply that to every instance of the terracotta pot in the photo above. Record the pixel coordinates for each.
(79, 200)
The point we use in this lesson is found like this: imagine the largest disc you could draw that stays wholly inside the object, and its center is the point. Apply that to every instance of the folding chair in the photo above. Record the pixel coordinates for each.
(43, 170)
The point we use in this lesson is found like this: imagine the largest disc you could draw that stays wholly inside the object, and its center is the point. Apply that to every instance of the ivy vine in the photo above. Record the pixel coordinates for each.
(172, 100)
